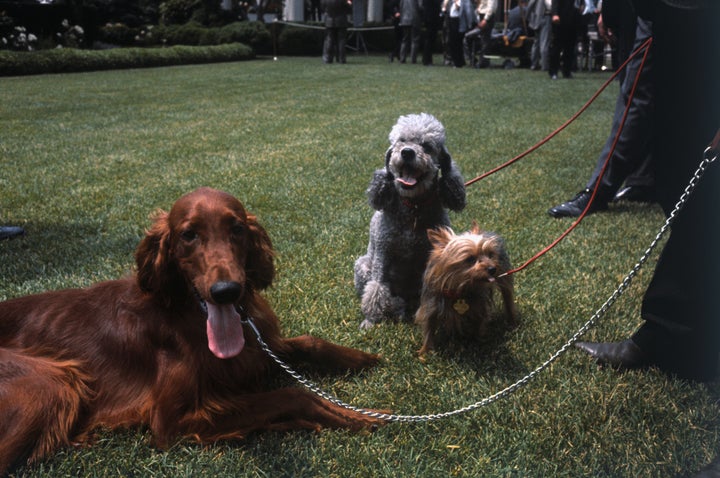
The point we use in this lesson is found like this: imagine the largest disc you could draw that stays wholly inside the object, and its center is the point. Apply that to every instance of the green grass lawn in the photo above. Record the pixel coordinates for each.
(86, 158)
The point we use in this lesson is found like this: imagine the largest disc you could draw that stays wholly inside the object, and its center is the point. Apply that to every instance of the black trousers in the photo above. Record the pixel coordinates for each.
(455, 42)
(334, 44)
(681, 306)
(632, 151)
(562, 48)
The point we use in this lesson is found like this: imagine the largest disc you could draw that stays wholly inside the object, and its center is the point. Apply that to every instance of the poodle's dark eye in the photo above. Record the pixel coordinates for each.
(188, 235)
(427, 147)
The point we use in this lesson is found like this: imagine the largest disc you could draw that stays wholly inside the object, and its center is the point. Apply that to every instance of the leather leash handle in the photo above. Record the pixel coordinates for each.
(715, 143)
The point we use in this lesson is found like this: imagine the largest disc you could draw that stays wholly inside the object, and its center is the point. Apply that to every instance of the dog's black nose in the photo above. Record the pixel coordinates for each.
(407, 154)
(226, 292)
(492, 270)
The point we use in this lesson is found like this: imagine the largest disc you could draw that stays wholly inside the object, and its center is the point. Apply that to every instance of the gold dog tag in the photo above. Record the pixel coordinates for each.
(461, 306)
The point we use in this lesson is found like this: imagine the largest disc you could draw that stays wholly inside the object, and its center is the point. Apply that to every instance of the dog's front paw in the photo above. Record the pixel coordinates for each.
(445, 161)
(452, 191)
(381, 191)
(366, 325)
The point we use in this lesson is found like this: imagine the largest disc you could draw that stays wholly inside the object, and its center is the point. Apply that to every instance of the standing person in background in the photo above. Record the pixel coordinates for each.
(461, 17)
(483, 31)
(565, 18)
(394, 13)
(336, 25)
(592, 50)
(616, 25)
(315, 13)
(433, 24)
(411, 24)
(540, 21)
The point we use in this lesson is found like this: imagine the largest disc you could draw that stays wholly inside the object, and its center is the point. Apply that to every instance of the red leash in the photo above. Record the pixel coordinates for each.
(645, 47)
(540, 143)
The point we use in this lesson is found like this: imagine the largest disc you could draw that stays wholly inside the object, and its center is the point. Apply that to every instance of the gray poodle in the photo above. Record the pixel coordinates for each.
(409, 196)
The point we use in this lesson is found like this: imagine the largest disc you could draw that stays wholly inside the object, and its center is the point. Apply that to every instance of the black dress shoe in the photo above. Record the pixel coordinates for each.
(623, 355)
(636, 194)
(575, 206)
(8, 232)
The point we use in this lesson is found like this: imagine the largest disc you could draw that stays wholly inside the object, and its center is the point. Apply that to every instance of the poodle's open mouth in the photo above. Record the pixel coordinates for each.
(409, 177)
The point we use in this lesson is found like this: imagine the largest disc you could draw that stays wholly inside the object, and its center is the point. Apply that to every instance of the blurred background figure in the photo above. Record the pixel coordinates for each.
(336, 25)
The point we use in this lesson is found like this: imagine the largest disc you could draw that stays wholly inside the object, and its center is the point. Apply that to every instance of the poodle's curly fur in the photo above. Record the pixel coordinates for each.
(410, 195)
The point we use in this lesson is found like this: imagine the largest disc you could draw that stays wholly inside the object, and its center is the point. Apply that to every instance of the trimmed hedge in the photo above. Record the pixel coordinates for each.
(68, 60)
(290, 39)
(300, 41)
(254, 34)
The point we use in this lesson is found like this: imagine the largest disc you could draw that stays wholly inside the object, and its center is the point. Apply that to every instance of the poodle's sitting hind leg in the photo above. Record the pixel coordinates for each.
(362, 274)
(378, 304)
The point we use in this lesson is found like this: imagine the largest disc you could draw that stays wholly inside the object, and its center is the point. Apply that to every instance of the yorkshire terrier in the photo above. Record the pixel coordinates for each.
(461, 275)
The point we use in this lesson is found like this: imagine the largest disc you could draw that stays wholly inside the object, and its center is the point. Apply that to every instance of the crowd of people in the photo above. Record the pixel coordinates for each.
(467, 29)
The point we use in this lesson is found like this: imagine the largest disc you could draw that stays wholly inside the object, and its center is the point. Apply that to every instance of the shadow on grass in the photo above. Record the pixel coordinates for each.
(52, 252)
(489, 355)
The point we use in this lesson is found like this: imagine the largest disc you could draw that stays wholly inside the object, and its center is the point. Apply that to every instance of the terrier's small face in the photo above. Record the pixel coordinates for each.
(470, 260)
(416, 145)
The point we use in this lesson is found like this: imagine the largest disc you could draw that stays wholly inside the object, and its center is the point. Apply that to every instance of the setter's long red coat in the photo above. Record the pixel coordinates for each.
(164, 348)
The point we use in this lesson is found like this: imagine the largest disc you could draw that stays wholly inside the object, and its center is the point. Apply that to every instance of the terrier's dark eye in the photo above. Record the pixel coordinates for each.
(471, 259)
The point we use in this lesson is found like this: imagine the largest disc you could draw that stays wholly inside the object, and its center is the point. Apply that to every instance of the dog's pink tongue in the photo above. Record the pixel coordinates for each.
(407, 181)
(224, 331)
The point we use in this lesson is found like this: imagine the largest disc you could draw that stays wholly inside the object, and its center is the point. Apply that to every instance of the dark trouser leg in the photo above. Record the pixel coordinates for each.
(329, 45)
(429, 45)
(633, 144)
(681, 306)
(341, 42)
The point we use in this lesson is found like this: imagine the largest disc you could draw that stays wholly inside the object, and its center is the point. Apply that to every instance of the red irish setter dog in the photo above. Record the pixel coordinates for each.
(165, 348)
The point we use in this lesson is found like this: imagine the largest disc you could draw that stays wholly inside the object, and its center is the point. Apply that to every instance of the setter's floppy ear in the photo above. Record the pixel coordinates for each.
(259, 266)
(152, 255)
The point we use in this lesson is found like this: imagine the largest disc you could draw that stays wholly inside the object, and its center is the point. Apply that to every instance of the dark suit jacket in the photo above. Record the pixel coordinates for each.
(336, 13)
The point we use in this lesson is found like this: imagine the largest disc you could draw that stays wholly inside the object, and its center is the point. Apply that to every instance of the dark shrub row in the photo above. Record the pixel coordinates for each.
(254, 34)
(67, 60)
(264, 39)
(292, 40)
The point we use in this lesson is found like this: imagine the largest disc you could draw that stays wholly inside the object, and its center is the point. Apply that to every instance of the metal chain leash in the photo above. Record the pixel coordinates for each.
(709, 156)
